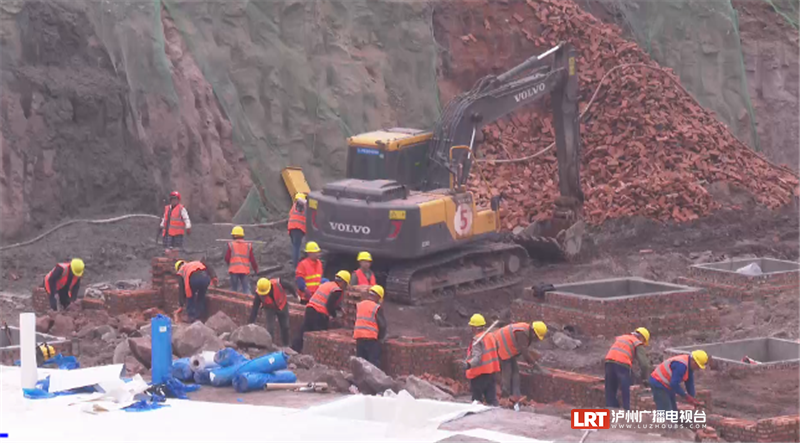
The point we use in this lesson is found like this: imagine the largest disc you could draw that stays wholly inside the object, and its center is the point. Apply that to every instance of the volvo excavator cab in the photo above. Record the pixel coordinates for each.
(399, 154)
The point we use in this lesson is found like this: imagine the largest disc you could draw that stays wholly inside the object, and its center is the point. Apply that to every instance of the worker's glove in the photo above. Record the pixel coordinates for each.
(691, 400)
(464, 365)
(215, 281)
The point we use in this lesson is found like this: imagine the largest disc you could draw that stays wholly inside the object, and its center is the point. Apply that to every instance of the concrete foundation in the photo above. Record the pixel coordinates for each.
(772, 353)
(721, 279)
(616, 306)
(9, 344)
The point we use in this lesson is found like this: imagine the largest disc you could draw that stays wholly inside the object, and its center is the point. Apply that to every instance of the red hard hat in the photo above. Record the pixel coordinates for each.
(175, 194)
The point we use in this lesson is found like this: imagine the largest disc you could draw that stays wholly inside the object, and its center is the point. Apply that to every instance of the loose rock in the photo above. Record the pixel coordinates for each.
(43, 324)
(196, 338)
(369, 378)
(63, 326)
(253, 336)
(304, 361)
(422, 389)
(333, 377)
(141, 348)
(126, 324)
(220, 323)
(121, 352)
(565, 342)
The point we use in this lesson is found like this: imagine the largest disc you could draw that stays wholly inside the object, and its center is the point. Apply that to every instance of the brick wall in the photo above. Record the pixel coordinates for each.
(775, 429)
(611, 317)
(114, 301)
(739, 286)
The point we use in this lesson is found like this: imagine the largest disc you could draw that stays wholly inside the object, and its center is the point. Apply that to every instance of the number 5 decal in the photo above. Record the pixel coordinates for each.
(463, 219)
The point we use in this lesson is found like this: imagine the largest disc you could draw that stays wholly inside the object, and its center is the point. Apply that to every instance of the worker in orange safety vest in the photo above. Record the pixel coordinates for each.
(482, 363)
(513, 341)
(370, 327)
(241, 261)
(364, 274)
(195, 278)
(322, 306)
(666, 379)
(308, 274)
(175, 222)
(63, 282)
(271, 295)
(619, 365)
(297, 225)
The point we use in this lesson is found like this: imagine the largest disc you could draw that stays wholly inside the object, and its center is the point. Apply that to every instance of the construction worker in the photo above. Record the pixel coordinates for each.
(364, 275)
(271, 295)
(370, 327)
(195, 277)
(482, 362)
(175, 222)
(308, 274)
(241, 261)
(515, 340)
(322, 306)
(297, 225)
(666, 379)
(619, 363)
(64, 281)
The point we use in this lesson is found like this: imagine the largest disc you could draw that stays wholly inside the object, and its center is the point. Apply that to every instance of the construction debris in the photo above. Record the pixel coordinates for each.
(648, 147)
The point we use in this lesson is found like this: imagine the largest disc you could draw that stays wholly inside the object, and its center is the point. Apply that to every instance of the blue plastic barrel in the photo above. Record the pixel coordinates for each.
(251, 381)
(161, 341)
(266, 363)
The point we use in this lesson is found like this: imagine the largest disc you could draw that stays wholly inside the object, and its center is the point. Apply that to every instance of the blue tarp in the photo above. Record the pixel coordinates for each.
(252, 381)
(267, 363)
(182, 370)
(228, 357)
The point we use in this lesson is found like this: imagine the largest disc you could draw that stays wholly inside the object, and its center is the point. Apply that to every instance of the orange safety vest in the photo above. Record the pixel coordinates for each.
(297, 219)
(240, 257)
(311, 272)
(278, 300)
(505, 339)
(320, 299)
(362, 279)
(663, 372)
(176, 225)
(186, 271)
(66, 270)
(490, 363)
(623, 349)
(366, 320)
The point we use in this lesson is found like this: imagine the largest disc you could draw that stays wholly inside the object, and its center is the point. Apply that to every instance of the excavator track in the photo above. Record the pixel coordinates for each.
(477, 267)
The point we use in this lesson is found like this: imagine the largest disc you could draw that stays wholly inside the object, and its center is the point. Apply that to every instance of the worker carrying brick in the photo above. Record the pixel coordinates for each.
(666, 379)
(364, 274)
(322, 306)
(241, 261)
(619, 365)
(515, 340)
(370, 327)
(297, 225)
(175, 222)
(308, 274)
(63, 282)
(195, 278)
(271, 295)
(482, 362)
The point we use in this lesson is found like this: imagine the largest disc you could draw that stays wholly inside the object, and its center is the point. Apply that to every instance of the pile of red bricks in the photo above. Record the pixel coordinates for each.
(598, 316)
(648, 147)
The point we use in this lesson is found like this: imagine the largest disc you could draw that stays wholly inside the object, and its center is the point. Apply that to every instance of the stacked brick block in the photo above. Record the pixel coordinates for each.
(775, 429)
(599, 316)
(114, 301)
(333, 347)
(741, 287)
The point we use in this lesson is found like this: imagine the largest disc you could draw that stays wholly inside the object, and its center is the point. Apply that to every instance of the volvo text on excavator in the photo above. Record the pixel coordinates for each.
(405, 199)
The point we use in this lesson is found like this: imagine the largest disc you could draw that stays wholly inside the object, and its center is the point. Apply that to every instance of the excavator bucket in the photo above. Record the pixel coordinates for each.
(552, 240)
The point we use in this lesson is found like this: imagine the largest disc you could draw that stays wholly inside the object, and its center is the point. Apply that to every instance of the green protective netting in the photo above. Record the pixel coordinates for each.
(295, 78)
(788, 9)
(699, 40)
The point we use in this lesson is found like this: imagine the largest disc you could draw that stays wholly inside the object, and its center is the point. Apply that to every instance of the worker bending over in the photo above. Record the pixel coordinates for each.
(175, 222)
(195, 277)
(297, 225)
(364, 274)
(370, 327)
(512, 341)
(322, 306)
(271, 295)
(308, 274)
(619, 365)
(482, 362)
(666, 379)
(240, 260)
(63, 282)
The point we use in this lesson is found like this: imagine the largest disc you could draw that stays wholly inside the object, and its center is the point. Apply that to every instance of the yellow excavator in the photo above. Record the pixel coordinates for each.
(405, 198)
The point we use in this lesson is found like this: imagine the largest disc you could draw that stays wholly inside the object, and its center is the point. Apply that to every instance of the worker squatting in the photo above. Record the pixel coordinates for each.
(491, 351)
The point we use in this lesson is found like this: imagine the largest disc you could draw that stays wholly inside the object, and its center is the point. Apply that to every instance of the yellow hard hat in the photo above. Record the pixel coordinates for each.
(77, 267)
(263, 286)
(237, 231)
(477, 320)
(178, 264)
(377, 289)
(343, 275)
(299, 196)
(540, 329)
(644, 333)
(364, 256)
(312, 246)
(700, 357)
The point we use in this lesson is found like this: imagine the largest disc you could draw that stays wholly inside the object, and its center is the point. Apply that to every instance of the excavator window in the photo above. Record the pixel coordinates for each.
(366, 163)
(411, 164)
